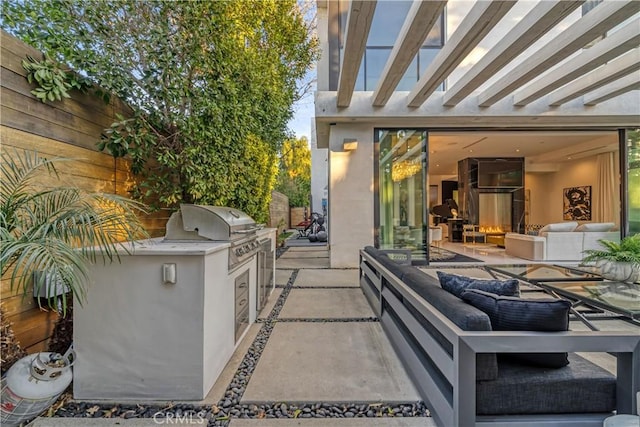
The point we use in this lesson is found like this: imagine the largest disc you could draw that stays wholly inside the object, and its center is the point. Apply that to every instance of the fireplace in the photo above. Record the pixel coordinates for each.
(494, 234)
(494, 212)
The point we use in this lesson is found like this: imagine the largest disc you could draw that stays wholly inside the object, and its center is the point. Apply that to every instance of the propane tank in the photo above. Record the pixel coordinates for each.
(33, 384)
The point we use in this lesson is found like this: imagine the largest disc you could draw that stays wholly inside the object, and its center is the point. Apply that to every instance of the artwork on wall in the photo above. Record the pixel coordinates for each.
(576, 203)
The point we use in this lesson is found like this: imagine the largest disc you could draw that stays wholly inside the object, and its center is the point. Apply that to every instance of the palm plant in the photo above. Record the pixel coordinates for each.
(628, 250)
(57, 231)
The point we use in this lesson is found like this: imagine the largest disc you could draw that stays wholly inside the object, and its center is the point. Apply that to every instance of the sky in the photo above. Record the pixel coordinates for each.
(304, 111)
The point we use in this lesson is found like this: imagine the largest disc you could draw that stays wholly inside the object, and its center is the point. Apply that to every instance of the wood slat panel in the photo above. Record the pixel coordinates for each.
(18, 47)
(38, 347)
(39, 332)
(33, 326)
(28, 141)
(16, 93)
(49, 113)
(36, 125)
(14, 304)
(68, 171)
(92, 105)
(12, 62)
(13, 51)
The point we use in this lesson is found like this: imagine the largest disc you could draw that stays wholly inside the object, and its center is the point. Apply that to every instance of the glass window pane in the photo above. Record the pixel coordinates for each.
(410, 77)
(589, 5)
(376, 60)
(343, 7)
(426, 57)
(360, 78)
(633, 180)
(435, 36)
(401, 191)
(387, 22)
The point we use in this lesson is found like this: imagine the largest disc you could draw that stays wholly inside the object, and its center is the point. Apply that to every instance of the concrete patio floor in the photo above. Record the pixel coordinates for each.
(325, 303)
(327, 278)
(330, 362)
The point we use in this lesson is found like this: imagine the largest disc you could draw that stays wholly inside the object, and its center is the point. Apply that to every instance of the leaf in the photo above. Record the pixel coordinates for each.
(93, 409)
(210, 94)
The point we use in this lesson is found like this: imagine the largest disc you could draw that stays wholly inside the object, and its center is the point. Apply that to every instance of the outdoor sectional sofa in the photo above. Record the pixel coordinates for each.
(445, 344)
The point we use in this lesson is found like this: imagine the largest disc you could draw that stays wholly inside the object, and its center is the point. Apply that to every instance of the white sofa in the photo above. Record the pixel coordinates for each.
(560, 242)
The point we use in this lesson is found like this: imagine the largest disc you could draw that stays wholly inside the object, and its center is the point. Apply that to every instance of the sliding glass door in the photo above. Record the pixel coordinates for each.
(631, 185)
(401, 179)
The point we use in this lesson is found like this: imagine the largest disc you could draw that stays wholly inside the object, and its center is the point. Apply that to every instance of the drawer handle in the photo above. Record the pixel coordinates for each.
(242, 302)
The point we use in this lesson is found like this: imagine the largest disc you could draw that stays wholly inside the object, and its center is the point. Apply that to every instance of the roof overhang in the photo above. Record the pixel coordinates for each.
(617, 112)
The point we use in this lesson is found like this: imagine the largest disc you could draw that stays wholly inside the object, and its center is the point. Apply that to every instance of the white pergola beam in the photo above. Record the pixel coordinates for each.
(605, 50)
(612, 90)
(597, 22)
(622, 111)
(474, 27)
(355, 42)
(421, 18)
(620, 67)
(542, 18)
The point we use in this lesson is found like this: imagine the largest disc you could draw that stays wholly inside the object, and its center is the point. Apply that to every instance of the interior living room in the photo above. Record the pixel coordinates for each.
(501, 182)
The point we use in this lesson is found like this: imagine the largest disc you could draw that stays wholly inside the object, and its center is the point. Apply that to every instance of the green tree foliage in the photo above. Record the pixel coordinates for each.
(294, 177)
(211, 84)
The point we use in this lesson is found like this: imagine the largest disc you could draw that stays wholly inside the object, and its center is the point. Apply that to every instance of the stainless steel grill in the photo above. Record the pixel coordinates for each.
(194, 223)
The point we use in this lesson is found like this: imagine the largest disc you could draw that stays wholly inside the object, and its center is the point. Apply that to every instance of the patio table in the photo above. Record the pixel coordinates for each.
(536, 273)
(615, 297)
(579, 285)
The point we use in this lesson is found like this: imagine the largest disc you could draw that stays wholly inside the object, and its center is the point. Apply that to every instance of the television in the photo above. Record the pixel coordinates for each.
(500, 174)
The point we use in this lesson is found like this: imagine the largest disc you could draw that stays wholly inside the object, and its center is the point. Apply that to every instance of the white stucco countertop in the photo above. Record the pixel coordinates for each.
(265, 230)
(157, 246)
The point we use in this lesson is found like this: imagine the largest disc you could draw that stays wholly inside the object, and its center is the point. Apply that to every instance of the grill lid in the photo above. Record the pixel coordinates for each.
(210, 222)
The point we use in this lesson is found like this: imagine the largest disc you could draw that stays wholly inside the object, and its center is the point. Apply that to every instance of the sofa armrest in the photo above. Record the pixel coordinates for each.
(525, 246)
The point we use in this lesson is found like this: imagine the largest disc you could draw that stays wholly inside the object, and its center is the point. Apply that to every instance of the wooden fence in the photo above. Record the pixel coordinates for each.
(69, 128)
(279, 211)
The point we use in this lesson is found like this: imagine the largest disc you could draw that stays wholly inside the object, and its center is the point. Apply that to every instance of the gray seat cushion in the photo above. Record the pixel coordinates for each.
(518, 314)
(578, 387)
(384, 259)
(465, 316)
(456, 285)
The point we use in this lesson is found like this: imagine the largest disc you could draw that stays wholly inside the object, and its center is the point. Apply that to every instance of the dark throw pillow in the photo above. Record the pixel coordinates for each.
(515, 314)
(456, 285)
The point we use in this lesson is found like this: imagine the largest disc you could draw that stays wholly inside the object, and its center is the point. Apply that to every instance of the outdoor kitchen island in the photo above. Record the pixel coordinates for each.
(163, 323)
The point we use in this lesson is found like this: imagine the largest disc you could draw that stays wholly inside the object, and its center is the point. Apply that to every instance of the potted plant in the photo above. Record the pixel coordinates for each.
(617, 261)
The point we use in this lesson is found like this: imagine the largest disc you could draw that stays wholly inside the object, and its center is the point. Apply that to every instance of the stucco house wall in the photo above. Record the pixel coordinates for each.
(351, 191)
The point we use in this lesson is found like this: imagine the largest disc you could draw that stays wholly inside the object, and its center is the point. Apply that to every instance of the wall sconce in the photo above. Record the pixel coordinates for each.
(349, 144)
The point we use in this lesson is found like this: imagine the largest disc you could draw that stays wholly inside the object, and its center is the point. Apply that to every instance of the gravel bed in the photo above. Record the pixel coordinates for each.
(281, 250)
(325, 287)
(330, 320)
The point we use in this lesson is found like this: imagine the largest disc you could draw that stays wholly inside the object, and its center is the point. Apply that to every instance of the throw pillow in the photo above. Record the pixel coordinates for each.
(560, 226)
(596, 226)
(515, 314)
(456, 285)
